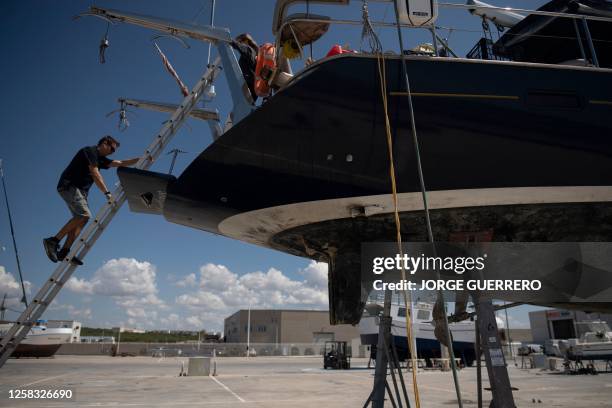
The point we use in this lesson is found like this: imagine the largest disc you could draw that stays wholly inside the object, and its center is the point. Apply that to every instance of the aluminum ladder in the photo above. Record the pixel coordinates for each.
(88, 238)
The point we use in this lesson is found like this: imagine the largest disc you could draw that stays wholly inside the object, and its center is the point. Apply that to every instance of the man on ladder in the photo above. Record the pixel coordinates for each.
(73, 187)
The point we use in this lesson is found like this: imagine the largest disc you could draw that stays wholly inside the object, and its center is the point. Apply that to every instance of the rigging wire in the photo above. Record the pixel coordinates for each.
(384, 19)
(408, 317)
(308, 16)
(424, 198)
(197, 15)
(560, 37)
(212, 24)
(376, 47)
(104, 44)
(368, 32)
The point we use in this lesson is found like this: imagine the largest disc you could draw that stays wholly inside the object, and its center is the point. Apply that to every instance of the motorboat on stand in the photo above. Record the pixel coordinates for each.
(428, 347)
(594, 343)
(41, 341)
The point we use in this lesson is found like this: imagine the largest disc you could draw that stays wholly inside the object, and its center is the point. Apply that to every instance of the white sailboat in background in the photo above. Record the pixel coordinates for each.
(41, 341)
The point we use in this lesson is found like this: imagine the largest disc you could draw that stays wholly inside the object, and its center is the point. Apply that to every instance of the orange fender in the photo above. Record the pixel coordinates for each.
(266, 66)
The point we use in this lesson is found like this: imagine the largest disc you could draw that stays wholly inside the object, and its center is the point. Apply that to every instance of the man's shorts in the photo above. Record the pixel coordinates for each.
(76, 201)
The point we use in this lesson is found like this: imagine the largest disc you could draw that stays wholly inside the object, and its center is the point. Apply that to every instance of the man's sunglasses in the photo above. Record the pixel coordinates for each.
(111, 147)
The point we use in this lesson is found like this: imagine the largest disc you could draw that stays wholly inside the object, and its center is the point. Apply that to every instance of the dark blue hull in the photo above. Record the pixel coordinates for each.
(426, 348)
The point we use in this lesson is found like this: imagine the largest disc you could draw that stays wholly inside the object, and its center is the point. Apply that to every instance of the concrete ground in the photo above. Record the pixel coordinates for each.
(101, 381)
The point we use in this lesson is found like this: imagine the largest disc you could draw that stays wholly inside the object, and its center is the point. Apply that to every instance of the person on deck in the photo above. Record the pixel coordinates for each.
(73, 187)
(248, 49)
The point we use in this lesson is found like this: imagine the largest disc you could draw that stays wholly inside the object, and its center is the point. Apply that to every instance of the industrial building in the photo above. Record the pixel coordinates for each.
(560, 324)
(285, 326)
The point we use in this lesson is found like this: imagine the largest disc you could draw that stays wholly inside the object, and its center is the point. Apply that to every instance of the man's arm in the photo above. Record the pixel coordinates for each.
(97, 177)
(238, 46)
(124, 163)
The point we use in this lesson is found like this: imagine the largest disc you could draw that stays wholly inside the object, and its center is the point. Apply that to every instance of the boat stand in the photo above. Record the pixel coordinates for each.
(386, 356)
(489, 344)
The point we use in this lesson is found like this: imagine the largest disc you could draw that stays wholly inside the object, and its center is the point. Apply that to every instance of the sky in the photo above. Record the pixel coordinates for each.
(145, 272)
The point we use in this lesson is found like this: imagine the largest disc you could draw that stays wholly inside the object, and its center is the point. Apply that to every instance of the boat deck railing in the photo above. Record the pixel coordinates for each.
(480, 52)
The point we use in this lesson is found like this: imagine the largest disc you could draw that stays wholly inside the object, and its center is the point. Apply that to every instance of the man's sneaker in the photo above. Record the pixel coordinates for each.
(50, 245)
(61, 256)
(76, 261)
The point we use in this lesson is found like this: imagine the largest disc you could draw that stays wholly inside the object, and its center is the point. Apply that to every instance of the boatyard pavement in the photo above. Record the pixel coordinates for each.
(101, 381)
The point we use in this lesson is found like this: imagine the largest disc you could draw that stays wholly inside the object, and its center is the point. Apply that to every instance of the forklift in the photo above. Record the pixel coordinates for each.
(336, 355)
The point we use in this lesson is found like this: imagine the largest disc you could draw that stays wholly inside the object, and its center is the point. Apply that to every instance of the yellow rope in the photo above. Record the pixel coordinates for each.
(409, 334)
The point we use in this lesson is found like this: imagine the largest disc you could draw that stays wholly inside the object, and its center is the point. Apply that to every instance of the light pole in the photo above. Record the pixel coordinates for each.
(118, 341)
(249, 332)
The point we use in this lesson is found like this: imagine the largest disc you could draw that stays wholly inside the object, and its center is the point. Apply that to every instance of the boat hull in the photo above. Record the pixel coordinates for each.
(428, 346)
(591, 353)
(35, 350)
(521, 150)
(41, 343)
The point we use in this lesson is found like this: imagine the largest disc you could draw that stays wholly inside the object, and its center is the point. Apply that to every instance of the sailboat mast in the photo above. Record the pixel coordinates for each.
(2, 307)
(8, 210)
(212, 23)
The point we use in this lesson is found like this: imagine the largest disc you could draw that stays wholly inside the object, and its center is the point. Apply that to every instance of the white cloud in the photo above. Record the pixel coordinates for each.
(171, 321)
(315, 274)
(216, 277)
(118, 277)
(188, 281)
(209, 296)
(131, 283)
(194, 322)
(85, 313)
(11, 286)
(221, 291)
(202, 298)
(79, 286)
(76, 313)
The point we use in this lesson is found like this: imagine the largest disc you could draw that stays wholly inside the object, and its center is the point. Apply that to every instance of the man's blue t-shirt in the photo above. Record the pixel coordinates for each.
(77, 173)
